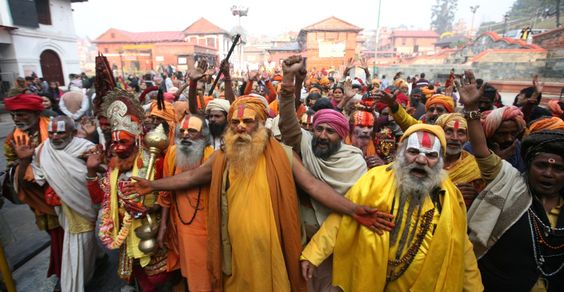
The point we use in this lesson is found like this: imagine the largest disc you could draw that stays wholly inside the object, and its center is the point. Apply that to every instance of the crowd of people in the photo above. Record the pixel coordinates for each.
(294, 180)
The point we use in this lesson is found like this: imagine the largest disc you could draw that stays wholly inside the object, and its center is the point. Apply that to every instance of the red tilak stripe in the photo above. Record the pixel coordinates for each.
(426, 141)
(456, 124)
(240, 110)
(185, 123)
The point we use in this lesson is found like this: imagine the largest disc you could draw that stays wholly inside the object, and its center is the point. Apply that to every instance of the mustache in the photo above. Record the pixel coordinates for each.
(243, 137)
(427, 170)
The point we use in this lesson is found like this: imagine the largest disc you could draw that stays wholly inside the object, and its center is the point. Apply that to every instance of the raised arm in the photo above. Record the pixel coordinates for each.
(402, 118)
(226, 70)
(195, 75)
(289, 125)
(470, 94)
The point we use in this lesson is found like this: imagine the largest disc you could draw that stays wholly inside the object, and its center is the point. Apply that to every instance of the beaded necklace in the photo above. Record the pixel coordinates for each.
(405, 261)
(537, 237)
(196, 208)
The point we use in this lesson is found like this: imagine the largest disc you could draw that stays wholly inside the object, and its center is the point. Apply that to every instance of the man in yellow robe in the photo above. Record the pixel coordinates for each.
(428, 250)
(461, 166)
(253, 218)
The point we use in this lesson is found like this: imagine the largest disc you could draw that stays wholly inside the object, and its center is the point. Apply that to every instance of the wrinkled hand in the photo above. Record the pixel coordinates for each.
(350, 65)
(23, 147)
(94, 157)
(307, 270)
(373, 219)
(469, 93)
(200, 71)
(139, 186)
(468, 191)
(373, 161)
(504, 153)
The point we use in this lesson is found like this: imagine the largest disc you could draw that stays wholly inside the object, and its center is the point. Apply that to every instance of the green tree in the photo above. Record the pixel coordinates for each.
(442, 15)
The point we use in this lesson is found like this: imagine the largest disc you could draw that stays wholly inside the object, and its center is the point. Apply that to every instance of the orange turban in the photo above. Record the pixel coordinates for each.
(491, 120)
(251, 102)
(451, 120)
(433, 129)
(399, 83)
(167, 113)
(555, 109)
(546, 123)
(443, 100)
(324, 81)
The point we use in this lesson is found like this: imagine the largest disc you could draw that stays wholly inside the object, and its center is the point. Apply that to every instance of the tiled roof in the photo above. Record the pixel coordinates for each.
(332, 24)
(113, 35)
(496, 38)
(414, 33)
(203, 26)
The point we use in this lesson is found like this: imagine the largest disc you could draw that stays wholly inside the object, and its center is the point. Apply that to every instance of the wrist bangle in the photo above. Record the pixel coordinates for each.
(91, 178)
(472, 115)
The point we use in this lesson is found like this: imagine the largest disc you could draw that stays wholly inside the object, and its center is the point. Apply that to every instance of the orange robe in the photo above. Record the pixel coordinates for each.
(187, 242)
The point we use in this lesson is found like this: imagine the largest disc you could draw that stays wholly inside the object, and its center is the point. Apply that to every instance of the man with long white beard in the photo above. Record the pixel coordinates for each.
(428, 250)
(254, 235)
(183, 222)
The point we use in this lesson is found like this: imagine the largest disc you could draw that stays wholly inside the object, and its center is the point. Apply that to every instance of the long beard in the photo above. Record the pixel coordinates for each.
(413, 191)
(189, 156)
(244, 150)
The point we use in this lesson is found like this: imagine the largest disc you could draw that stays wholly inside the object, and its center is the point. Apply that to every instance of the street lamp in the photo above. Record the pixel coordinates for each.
(240, 11)
(473, 9)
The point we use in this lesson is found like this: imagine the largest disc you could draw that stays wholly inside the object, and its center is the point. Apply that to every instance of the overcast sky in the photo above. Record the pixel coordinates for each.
(94, 17)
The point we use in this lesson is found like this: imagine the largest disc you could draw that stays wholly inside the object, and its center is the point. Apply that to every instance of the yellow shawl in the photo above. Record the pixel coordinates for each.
(465, 170)
(360, 256)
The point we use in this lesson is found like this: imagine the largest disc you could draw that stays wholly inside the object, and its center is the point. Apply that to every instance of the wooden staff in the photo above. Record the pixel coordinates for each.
(235, 41)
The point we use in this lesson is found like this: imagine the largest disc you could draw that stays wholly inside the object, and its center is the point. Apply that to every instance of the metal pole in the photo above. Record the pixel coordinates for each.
(374, 75)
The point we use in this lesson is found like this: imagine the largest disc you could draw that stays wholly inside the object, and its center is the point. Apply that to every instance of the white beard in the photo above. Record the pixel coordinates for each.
(189, 157)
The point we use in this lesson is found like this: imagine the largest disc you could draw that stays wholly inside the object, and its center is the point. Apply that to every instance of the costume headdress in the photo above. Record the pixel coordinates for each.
(124, 111)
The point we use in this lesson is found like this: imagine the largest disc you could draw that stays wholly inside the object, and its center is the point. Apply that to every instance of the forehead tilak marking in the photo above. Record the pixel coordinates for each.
(61, 126)
(426, 141)
(456, 124)
(185, 123)
(240, 111)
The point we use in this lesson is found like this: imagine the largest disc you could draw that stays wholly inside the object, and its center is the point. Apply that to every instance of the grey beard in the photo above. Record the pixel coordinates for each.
(414, 191)
(189, 157)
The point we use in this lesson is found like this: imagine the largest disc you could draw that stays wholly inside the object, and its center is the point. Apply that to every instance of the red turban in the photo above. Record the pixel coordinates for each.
(334, 119)
(491, 120)
(24, 102)
(443, 100)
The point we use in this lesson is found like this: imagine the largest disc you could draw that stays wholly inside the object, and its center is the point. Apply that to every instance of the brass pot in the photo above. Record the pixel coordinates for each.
(148, 246)
(147, 231)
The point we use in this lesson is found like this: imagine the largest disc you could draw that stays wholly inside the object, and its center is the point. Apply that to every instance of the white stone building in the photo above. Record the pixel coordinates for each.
(37, 36)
